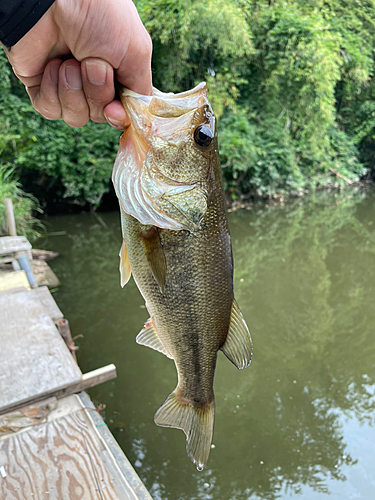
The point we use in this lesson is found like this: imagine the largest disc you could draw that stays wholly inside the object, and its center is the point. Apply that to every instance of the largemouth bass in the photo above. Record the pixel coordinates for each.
(176, 243)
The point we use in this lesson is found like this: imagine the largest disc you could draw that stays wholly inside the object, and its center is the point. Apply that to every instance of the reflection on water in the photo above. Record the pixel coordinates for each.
(300, 419)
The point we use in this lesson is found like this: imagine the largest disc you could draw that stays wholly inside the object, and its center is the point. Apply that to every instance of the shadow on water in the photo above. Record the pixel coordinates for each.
(300, 419)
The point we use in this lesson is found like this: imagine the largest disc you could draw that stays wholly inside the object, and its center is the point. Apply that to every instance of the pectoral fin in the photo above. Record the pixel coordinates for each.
(155, 255)
(149, 337)
(238, 347)
(125, 270)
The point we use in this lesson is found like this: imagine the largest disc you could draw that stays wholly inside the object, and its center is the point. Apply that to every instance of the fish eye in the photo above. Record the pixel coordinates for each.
(203, 136)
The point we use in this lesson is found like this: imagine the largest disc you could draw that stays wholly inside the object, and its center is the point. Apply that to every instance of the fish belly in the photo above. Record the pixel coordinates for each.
(191, 314)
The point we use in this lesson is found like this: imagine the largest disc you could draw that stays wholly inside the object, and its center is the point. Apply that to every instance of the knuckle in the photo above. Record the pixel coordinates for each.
(51, 102)
(51, 115)
(75, 121)
(145, 47)
(75, 107)
(48, 112)
(100, 98)
(75, 116)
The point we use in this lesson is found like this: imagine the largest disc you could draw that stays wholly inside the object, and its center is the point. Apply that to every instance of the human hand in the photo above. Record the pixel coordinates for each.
(101, 36)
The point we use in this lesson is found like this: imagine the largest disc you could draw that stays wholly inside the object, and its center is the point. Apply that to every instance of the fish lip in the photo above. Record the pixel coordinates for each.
(165, 95)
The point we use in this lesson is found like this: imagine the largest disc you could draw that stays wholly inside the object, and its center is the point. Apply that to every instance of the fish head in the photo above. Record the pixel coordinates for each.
(163, 174)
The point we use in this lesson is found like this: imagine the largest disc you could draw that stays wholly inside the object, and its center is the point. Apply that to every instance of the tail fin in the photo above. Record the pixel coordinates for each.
(196, 422)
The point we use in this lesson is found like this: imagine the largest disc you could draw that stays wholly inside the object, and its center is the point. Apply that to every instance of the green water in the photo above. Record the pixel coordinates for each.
(299, 422)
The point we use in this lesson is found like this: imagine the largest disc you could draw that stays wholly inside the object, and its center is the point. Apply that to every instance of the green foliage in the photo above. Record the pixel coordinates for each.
(23, 206)
(255, 158)
(196, 41)
(287, 79)
(291, 82)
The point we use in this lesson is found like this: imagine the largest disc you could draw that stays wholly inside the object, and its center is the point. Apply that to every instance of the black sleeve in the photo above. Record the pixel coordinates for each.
(17, 17)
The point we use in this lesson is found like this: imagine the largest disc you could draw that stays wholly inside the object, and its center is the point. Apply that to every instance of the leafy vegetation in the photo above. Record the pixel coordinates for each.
(23, 206)
(294, 95)
(291, 82)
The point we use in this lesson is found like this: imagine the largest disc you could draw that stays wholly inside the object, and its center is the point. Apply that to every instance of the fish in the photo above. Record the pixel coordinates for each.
(177, 246)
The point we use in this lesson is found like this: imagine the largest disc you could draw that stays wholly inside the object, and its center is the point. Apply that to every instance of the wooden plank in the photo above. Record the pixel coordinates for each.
(90, 379)
(45, 297)
(15, 279)
(60, 459)
(34, 360)
(43, 254)
(23, 419)
(12, 244)
(44, 274)
(12, 290)
(117, 462)
(96, 377)
(66, 458)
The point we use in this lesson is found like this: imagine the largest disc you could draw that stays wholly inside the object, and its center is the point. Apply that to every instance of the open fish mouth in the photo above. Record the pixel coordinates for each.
(160, 176)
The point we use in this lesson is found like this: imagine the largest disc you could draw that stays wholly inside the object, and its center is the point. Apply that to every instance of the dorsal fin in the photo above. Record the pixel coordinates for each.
(125, 270)
(238, 347)
(148, 336)
(155, 255)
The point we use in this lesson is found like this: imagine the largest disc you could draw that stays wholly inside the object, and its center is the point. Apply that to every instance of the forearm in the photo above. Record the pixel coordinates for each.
(17, 17)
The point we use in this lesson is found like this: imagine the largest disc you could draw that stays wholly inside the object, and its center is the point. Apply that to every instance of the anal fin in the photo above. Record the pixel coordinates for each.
(149, 337)
(125, 270)
(238, 347)
(155, 255)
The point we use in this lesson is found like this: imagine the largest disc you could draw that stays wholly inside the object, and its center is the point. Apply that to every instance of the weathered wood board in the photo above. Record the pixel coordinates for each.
(118, 460)
(14, 244)
(13, 280)
(44, 274)
(65, 458)
(45, 297)
(89, 379)
(43, 254)
(34, 359)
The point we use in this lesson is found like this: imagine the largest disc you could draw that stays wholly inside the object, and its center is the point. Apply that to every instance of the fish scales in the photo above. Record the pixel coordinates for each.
(178, 248)
(199, 291)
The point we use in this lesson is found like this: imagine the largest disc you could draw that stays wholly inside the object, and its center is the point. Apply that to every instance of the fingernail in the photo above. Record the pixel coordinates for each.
(96, 72)
(54, 72)
(73, 77)
(114, 124)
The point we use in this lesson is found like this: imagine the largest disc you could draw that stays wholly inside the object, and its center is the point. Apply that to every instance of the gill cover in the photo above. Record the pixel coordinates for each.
(163, 170)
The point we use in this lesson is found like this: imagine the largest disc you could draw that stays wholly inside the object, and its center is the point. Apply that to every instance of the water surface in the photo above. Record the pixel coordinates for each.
(299, 422)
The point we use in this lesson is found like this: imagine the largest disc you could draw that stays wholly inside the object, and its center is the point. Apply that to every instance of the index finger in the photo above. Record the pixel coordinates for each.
(134, 71)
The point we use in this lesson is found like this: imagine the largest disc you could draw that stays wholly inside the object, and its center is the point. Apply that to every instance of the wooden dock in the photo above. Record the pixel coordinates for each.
(53, 442)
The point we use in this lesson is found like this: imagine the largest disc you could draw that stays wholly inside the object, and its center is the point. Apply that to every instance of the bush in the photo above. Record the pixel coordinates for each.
(287, 95)
(23, 205)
